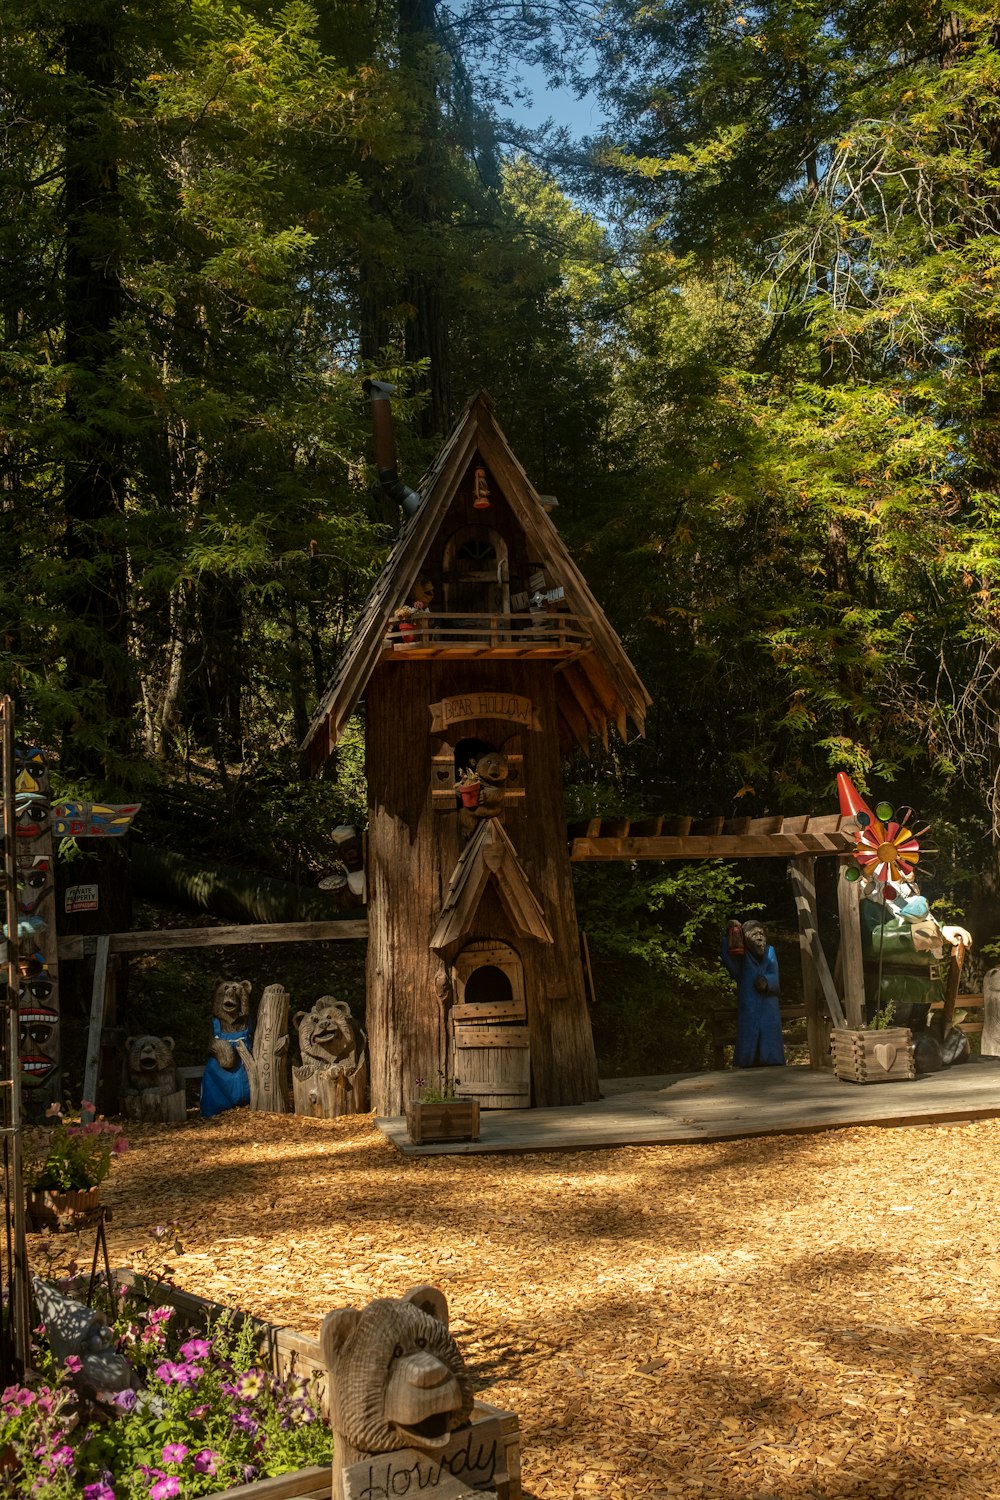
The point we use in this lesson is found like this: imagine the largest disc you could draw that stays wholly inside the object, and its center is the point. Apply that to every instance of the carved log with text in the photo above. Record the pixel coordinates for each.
(267, 1065)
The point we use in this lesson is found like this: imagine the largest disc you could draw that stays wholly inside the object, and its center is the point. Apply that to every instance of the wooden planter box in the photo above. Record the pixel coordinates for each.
(493, 1436)
(873, 1056)
(62, 1211)
(451, 1120)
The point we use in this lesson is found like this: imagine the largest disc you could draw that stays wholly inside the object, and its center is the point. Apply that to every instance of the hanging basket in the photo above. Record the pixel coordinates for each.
(61, 1212)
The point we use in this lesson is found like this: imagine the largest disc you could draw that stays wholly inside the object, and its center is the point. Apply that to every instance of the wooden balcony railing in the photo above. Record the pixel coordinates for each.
(429, 635)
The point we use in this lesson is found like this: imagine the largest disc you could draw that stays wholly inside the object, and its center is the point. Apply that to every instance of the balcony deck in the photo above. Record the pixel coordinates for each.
(500, 637)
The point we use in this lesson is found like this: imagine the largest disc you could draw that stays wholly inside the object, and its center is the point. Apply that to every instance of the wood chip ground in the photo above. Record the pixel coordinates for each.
(797, 1316)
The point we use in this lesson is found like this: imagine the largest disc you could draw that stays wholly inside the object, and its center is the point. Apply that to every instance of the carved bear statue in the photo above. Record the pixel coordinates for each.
(493, 770)
(397, 1381)
(333, 1077)
(150, 1087)
(225, 1084)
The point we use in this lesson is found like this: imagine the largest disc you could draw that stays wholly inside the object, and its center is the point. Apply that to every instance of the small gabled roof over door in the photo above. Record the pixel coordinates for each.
(489, 855)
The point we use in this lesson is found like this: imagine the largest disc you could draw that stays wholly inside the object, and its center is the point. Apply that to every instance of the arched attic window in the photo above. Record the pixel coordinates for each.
(475, 572)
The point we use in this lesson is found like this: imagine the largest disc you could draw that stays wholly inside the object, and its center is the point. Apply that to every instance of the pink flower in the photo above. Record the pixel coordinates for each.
(73, 1364)
(98, 1491)
(120, 1146)
(175, 1453)
(195, 1349)
(62, 1457)
(205, 1461)
(164, 1488)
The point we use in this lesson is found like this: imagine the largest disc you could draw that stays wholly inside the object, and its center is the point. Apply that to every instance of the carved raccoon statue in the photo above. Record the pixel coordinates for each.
(333, 1077)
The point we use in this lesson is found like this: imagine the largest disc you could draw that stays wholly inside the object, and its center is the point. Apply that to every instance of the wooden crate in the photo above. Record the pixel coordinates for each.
(451, 1120)
(873, 1056)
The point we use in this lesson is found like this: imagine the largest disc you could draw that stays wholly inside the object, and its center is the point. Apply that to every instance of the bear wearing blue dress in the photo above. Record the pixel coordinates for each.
(224, 1083)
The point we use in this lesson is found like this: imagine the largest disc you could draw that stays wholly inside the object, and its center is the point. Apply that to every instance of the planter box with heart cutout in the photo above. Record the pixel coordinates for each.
(873, 1056)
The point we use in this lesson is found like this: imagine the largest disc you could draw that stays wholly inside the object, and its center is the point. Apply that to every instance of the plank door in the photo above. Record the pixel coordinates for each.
(491, 1052)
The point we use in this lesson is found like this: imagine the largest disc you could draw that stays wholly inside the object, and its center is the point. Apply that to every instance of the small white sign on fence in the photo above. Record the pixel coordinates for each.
(81, 898)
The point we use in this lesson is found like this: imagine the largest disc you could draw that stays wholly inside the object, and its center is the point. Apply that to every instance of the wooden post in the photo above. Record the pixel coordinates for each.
(817, 981)
(91, 1073)
(849, 909)
(951, 990)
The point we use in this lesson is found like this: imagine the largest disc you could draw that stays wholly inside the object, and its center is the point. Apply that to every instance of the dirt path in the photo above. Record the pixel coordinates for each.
(807, 1316)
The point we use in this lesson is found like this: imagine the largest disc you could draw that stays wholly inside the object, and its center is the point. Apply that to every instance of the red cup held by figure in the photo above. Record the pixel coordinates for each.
(734, 940)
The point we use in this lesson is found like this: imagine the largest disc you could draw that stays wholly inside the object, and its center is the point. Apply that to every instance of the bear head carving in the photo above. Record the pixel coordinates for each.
(327, 1033)
(397, 1379)
(149, 1062)
(231, 1003)
(493, 768)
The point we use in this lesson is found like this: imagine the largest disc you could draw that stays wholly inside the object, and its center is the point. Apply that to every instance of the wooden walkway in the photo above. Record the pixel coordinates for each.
(683, 1108)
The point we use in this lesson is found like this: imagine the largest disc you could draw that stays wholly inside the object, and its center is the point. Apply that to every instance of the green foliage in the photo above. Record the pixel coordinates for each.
(68, 1155)
(654, 941)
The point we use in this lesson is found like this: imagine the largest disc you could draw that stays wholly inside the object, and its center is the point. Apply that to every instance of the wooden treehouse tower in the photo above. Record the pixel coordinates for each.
(480, 652)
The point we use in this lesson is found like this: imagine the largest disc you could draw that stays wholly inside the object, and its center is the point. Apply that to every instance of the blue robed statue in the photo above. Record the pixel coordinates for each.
(759, 1043)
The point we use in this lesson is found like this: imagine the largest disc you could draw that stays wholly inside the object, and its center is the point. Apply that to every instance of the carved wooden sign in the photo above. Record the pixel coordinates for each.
(483, 705)
(475, 1459)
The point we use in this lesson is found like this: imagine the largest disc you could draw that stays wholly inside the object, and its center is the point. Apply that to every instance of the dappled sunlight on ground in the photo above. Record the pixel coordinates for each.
(796, 1316)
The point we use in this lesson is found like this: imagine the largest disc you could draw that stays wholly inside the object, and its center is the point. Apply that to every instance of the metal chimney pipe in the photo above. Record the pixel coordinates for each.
(385, 447)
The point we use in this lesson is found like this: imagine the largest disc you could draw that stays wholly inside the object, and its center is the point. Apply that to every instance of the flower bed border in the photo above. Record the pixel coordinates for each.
(287, 1352)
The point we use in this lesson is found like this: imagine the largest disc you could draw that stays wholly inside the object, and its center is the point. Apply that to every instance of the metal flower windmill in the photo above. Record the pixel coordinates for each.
(887, 848)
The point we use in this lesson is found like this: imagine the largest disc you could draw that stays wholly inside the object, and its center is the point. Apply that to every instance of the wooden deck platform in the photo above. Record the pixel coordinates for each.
(684, 1108)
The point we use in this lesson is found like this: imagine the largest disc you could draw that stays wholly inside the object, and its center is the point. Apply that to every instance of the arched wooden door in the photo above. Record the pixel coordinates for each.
(490, 1051)
(475, 572)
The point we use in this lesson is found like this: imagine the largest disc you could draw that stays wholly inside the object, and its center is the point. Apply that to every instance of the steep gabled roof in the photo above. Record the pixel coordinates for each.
(489, 855)
(595, 689)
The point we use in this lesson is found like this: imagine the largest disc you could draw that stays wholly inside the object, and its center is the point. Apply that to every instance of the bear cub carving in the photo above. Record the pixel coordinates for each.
(150, 1086)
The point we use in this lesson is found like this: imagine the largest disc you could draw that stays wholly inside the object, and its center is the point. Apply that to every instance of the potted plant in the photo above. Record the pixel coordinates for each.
(877, 1053)
(438, 1114)
(404, 620)
(468, 787)
(64, 1167)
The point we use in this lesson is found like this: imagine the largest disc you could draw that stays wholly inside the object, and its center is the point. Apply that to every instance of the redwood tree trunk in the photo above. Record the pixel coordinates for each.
(412, 853)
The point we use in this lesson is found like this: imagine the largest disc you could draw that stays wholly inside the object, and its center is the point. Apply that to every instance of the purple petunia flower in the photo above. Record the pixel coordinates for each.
(164, 1488)
(98, 1491)
(179, 1374)
(245, 1422)
(125, 1400)
(73, 1363)
(250, 1385)
(195, 1349)
(175, 1453)
(205, 1461)
(249, 1473)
